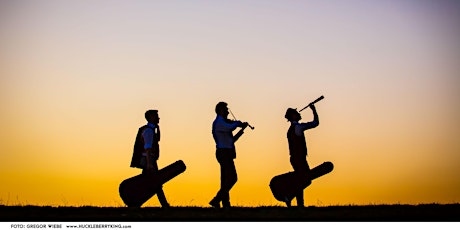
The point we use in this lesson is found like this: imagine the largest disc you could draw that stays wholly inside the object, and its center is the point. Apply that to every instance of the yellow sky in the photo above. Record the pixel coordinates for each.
(76, 79)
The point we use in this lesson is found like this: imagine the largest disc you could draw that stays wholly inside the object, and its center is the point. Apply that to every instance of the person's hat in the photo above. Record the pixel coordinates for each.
(290, 112)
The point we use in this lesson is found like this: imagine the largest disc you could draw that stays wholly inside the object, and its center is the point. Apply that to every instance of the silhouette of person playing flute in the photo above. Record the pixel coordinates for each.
(298, 146)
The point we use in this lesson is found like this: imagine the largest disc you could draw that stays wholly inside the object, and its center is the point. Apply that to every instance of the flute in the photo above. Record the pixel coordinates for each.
(311, 103)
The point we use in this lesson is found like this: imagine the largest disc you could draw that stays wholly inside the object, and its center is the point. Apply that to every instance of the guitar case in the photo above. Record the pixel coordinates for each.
(284, 187)
(136, 190)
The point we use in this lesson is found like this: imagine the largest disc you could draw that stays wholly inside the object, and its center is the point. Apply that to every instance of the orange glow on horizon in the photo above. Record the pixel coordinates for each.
(75, 81)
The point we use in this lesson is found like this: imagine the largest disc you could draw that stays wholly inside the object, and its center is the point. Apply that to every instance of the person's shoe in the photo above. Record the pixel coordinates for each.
(226, 205)
(287, 201)
(214, 203)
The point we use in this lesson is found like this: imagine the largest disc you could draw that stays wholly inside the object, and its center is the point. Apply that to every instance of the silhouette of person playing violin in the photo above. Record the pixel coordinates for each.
(222, 129)
(298, 147)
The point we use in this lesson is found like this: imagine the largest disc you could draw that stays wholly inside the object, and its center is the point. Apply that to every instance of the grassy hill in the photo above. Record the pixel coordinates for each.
(394, 213)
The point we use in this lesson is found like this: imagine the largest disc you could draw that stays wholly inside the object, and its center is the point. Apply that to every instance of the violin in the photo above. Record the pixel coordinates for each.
(229, 121)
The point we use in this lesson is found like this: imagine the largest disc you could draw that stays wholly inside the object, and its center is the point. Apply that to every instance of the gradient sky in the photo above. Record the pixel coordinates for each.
(77, 76)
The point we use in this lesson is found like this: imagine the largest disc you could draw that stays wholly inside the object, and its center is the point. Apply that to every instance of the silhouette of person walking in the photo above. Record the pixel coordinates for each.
(298, 147)
(222, 129)
(147, 149)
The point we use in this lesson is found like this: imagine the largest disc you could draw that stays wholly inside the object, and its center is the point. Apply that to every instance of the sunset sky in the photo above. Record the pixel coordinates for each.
(77, 76)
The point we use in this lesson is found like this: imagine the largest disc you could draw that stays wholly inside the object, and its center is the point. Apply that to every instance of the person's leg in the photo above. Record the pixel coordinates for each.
(160, 194)
(162, 198)
(215, 202)
(299, 199)
(229, 180)
(301, 168)
(228, 177)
